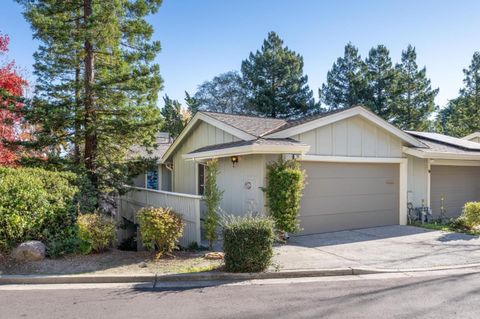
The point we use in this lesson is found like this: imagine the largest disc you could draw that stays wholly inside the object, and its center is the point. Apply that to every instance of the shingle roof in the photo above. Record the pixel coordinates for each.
(253, 125)
(260, 141)
(155, 152)
(447, 140)
(439, 147)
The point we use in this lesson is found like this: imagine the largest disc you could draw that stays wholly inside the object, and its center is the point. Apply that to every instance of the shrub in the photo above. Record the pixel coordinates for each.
(160, 229)
(212, 197)
(96, 232)
(248, 243)
(285, 184)
(471, 214)
(36, 204)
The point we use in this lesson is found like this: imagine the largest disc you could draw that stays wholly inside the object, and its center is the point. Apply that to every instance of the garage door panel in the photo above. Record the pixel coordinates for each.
(346, 186)
(347, 204)
(356, 220)
(457, 184)
(341, 196)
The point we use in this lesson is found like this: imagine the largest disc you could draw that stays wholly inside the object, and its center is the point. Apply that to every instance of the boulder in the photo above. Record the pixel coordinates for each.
(29, 251)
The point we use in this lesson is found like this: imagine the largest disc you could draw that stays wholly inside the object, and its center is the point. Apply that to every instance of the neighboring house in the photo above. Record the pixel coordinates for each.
(474, 137)
(159, 177)
(361, 170)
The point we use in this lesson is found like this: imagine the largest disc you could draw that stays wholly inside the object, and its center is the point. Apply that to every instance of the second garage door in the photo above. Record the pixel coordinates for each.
(456, 184)
(340, 196)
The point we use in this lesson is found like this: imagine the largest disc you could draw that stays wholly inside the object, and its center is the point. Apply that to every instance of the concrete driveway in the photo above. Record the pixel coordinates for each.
(390, 247)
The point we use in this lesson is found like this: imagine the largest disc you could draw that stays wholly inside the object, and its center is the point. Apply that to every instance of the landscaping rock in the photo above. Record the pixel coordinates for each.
(143, 265)
(214, 255)
(29, 251)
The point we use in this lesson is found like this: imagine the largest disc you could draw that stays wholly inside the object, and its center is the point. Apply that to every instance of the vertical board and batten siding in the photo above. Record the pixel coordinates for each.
(354, 136)
(185, 172)
(417, 185)
(188, 206)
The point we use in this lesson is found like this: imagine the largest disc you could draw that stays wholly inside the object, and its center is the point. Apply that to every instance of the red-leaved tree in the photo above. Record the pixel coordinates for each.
(11, 89)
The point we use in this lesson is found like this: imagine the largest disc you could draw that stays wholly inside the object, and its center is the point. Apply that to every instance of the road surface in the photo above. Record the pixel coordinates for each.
(454, 295)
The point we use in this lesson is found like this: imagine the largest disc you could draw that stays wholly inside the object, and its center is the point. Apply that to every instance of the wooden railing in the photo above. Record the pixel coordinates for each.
(186, 205)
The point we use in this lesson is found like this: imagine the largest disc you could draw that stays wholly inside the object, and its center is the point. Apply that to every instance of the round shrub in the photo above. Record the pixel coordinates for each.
(248, 243)
(160, 229)
(471, 214)
(36, 204)
(96, 232)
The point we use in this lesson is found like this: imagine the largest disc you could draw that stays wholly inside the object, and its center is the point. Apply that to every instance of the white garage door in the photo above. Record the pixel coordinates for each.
(456, 184)
(340, 196)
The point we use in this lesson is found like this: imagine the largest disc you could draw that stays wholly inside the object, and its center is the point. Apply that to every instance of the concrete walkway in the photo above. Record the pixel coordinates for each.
(390, 247)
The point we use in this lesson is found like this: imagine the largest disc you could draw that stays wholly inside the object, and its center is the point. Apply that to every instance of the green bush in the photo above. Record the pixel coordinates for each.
(36, 204)
(471, 214)
(96, 232)
(160, 229)
(212, 197)
(285, 184)
(248, 243)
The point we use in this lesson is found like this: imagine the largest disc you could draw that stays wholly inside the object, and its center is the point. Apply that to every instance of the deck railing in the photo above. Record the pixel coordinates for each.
(186, 205)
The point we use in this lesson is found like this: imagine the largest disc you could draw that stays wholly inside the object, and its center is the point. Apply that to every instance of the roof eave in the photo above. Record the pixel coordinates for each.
(248, 150)
(440, 155)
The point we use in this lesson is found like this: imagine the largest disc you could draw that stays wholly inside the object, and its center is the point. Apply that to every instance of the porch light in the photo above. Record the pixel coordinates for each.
(234, 160)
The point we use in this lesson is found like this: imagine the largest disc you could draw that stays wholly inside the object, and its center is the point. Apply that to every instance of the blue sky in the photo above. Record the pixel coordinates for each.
(201, 39)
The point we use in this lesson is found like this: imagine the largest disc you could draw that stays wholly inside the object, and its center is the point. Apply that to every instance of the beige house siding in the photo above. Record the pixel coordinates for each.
(185, 172)
(352, 137)
(475, 139)
(417, 180)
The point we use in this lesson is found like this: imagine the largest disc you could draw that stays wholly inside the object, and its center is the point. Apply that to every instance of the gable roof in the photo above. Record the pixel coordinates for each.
(307, 124)
(471, 136)
(256, 126)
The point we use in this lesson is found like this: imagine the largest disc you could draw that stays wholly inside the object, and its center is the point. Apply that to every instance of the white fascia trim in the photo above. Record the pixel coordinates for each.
(470, 136)
(210, 120)
(440, 155)
(454, 162)
(351, 159)
(358, 110)
(248, 150)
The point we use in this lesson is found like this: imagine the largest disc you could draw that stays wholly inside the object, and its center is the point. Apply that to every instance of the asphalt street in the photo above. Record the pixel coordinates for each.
(454, 295)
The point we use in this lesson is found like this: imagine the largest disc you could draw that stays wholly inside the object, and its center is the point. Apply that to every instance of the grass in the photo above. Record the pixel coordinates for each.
(449, 227)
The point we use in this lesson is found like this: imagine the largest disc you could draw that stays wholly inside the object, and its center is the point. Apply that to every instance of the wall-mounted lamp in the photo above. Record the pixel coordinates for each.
(234, 160)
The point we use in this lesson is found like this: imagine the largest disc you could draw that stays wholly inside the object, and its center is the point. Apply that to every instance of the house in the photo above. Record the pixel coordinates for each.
(474, 137)
(361, 170)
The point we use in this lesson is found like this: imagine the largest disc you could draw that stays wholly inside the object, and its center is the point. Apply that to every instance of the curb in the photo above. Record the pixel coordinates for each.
(213, 276)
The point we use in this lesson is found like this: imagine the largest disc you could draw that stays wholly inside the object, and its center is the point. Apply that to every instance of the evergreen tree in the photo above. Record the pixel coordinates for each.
(174, 119)
(192, 103)
(346, 81)
(275, 83)
(462, 115)
(414, 99)
(380, 76)
(98, 86)
(224, 93)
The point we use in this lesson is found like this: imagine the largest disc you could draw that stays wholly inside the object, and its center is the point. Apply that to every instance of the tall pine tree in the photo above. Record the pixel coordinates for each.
(380, 76)
(346, 82)
(174, 119)
(462, 115)
(414, 100)
(275, 83)
(98, 85)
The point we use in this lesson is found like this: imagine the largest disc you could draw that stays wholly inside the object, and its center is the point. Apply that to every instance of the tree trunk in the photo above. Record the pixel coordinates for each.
(78, 105)
(89, 104)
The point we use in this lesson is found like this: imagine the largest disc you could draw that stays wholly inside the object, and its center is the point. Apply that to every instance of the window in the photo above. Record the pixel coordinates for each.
(152, 179)
(201, 179)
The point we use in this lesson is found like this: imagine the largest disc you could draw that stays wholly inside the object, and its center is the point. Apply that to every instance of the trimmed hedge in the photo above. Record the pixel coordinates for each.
(36, 204)
(286, 181)
(96, 232)
(160, 229)
(248, 244)
(471, 214)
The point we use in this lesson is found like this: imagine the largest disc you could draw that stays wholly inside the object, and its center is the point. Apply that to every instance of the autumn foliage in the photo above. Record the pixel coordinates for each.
(11, 88)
